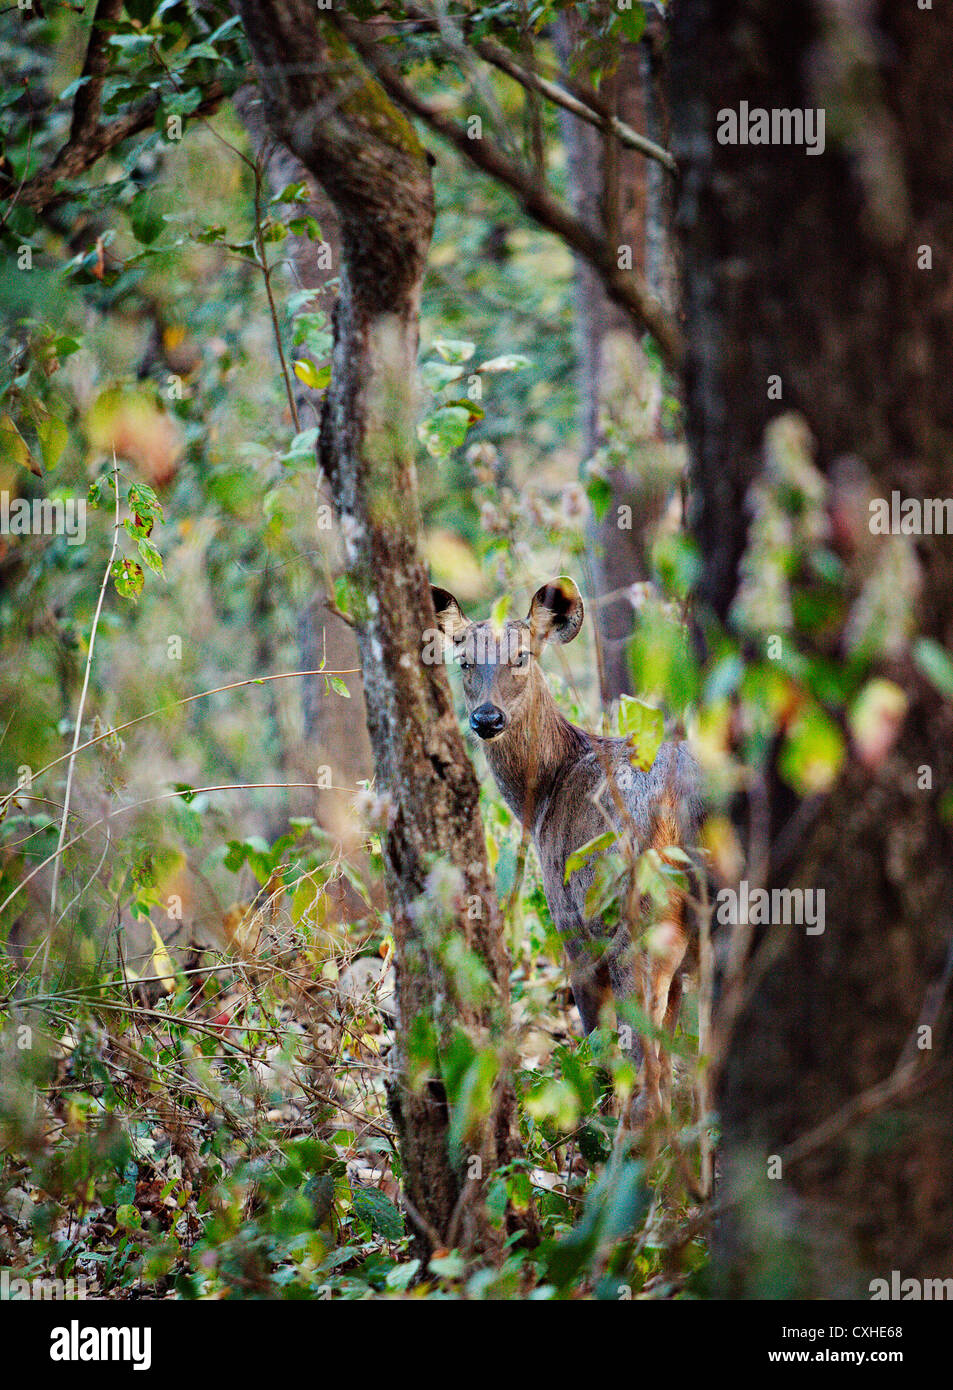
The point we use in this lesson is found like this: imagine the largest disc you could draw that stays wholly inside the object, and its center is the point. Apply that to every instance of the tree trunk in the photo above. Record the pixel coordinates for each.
(624, 198)
(809, 267)
(342, 127)
(334, 731)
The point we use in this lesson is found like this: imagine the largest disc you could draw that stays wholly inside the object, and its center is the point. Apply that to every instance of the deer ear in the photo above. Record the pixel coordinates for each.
(450, 619)
(556, 613)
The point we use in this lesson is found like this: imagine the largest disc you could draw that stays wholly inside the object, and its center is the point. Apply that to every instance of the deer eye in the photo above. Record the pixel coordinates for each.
(522, 659)
(465, 665)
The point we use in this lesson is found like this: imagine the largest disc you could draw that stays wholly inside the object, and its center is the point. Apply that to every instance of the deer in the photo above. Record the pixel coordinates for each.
(567, 787)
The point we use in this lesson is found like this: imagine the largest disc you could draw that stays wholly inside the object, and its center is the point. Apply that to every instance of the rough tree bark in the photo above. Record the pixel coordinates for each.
(812, 267)
(322, 104)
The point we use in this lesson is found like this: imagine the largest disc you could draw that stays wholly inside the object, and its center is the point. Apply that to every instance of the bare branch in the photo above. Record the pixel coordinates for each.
(75, 159)
(497, 55)
(590, 110)
(625, 288)
(87, 105)
(88, 139)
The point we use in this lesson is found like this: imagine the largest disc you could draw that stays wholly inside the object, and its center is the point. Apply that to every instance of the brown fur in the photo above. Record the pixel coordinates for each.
(567, 787)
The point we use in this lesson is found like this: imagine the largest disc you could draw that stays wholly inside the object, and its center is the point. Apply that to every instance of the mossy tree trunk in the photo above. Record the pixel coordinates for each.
(323, 105)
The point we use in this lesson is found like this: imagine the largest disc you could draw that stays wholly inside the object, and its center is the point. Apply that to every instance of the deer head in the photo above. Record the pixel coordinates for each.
(501, 677)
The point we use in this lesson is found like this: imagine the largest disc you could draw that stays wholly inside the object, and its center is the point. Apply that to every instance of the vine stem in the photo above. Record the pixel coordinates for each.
(266, 276)
(77, 728)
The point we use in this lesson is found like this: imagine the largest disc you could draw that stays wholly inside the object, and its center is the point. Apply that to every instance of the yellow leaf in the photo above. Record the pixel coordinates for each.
(162, 965)
(14, 448)
(315, 377)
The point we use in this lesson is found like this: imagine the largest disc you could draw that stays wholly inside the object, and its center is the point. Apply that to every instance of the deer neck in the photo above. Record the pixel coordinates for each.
(533, 753)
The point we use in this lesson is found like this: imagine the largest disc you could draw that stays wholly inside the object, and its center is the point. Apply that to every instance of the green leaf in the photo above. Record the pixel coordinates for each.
(444, 430)
(293, 193)
(509, 362)
(581, 856)
(499, 611)
(299, 299)
(616, 1206)
(448, 1266)
(554, 1101)
(436, 375)
(65, 345)
(182, 103)
(662, 659)
(305, 226)
(340, 687)
(199, 50)
(605, 890)
(813, 752)
(374, 1207)
(151, 556)
(677, 562)
(472, 1096)
(935, 662)
(594, 1144)
(53, 436)
(724, 678)
(128, 578)
(69, 92)
(474, 411)
(402, 1276)
(145, 505)
(301, 449)
(145, 218)
(600, 495)
(454, 349)
(225, 29)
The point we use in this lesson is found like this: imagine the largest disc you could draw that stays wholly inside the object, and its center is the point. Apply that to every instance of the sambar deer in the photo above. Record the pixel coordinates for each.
(567, 787)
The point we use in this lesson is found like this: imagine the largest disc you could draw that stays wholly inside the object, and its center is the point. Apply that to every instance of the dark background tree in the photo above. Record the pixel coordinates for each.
(813, 268)
(627, 198)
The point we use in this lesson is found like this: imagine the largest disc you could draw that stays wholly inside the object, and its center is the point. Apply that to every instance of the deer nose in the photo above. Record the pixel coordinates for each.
(487, 720)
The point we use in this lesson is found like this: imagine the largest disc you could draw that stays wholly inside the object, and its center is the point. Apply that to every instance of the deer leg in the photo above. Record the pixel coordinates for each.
(651, 978)
(590, 990)
(667, 945)
(669, 1023)
(630, 985)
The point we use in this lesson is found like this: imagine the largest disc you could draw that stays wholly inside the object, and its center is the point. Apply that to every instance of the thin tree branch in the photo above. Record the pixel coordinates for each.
(76, 157)
(497, 55)
(77, 731)
(167, 709)
(624, 288)
(88, 103)
(592, 111)
(266, 269)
